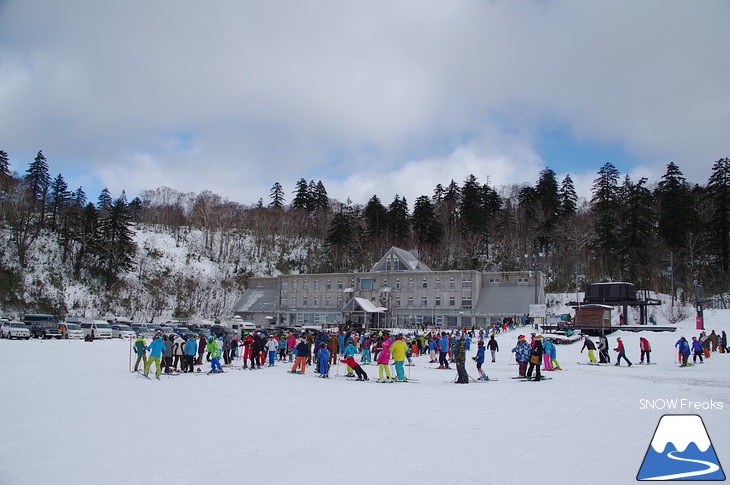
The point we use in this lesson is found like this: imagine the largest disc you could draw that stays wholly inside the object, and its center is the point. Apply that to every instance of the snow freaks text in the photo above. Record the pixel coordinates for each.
(679, 405)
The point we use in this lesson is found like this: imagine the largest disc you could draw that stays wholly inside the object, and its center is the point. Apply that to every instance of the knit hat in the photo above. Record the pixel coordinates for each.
(538, 337)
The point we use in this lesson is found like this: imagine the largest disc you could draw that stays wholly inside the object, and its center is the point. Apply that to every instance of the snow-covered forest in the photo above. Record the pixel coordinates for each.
(166, 253)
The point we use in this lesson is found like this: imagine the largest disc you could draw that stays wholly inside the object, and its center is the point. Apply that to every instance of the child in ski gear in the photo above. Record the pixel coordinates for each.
(621, 352)
(536, 354)
(352, 364)
(272, 346)
(177, 352)
(547, 346)
(432, 350)
(479, 359)
(167, 354)
(349, 351)
(645, 350)
(522, 354)
(323, 357)
(698, 350)
(603, 354)
(459, 354)
(443, 351)
(588, 344)
(383, 361)
(365, 344)
(191, 346)
(493, 347)
(684, 350)
(552, 352)
(139, 348)
(398, 351)
(215, 355)
(302, 351)
(156, 347)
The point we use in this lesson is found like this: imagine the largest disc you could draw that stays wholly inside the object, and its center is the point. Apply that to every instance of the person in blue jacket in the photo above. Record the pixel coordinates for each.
(684, 351)
(432, 350)
(522, 355)
(156, 347)
(697, 350)
(350, 351)
(190, 349)
(444, 351)
(323, 357)
(479, 359)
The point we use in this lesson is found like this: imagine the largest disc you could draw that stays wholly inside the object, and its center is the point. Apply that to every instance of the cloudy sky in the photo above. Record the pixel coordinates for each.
(371, 97)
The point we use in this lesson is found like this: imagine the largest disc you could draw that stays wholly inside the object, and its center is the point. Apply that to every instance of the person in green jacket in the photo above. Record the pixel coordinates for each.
(139, 348)
(215, 355)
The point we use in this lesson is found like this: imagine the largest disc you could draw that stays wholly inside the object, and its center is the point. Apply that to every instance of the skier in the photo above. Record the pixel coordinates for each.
(459, 355)
(215, 355)
(522, 354)
(365, 345)
(352, 364)
(547, 347)
(536, 354)
(604, 357)
(552, 352)
(698, 350)
(302, 351)
(684, 350)
(177, 352)
(227, 348)
(645, 348)
(349, 351)
(190, 347)
(282, 348)
(432, 350)
(443, 351)
(493, 347)
(588, 344)
(139, 349)
(156, 347)
(398, 351)
(323, 357)
(621, 352)
(383, 361)
(291, 343)
(248, 351)
(479, 359)
(167, 353)
(201, 350)
(272, 345)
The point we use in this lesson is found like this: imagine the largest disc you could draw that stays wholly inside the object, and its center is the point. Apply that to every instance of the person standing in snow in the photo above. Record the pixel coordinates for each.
(443, 351)
(493, 347)
(479, 359)
(156, 347)
(588, 344)
(459, 355)
(201, 350)
(398, 351)
(645, 348)
(384, 361)
(177, 353)
(536, 353)
(291, 343)
(684, 351)
(302, 351)
(621, 352)
(522, 355)
(603, 355)
(698, 350)
(248, 351)
(139, 348)
(215, 355)
(349, 351)
(167, 353)
(323, 358)
(282, 348)
(365, 347)
(191, 346)
(547, 346)
(552, 354)
(272, 346)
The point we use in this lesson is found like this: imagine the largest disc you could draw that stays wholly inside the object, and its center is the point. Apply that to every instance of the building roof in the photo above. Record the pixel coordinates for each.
(505, 300)
(257, 300)
(396, 259)
(361, 305)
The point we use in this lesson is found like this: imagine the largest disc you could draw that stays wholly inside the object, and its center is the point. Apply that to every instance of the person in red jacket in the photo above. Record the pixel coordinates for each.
(621, 352)
(352, 363)
(645, 350)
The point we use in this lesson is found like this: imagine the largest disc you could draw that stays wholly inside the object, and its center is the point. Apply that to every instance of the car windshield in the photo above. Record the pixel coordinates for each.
(72, 326)
(124, 328)
(17, 324)
(103, 325)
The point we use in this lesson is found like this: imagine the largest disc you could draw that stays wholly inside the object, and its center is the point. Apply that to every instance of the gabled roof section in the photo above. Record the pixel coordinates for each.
(361, 305)
(397, 259)
(257, 300)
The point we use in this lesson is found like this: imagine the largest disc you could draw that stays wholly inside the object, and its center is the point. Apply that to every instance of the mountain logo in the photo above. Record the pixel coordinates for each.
(681, 450)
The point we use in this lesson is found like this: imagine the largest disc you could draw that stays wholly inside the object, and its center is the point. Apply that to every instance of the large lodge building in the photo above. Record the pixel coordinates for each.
(399, 291)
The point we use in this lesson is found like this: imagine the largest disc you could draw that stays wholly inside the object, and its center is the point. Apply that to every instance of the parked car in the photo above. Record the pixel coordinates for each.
(201, 331)
(97, 329)
(143, 330)
(184, 332)
(123, 331)
(45, 330)
(13, 330)
(71, 330)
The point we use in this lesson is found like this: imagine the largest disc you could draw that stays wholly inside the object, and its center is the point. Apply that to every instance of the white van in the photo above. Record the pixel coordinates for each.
(96, 328)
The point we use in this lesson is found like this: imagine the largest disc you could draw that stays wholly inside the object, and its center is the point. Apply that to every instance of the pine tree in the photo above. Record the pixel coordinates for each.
(277, 196)
(104, 203)
(473, 220)
(320, 197)
(677, 214)
(606, 204)
(4, 166)
(375, 216)
(59, 199)
(718, 188)
(398, 222)
(302, 198)
(118, 246)
(636, 237)
(568, 198)
(426, 226)
(38, 179)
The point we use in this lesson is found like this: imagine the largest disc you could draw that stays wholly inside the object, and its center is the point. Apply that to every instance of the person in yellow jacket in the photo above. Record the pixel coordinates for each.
(398, 352)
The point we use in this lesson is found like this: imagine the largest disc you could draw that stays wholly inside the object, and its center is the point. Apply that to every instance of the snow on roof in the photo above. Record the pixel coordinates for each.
(361, 304)
(257, 300)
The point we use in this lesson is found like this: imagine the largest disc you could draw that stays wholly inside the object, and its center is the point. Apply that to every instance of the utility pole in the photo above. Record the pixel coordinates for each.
(699, 306)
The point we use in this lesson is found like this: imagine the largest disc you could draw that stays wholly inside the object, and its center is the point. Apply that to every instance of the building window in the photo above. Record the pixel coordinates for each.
(452, 301)
(411, 284)
(523, 281)
(466, 283)
(316, 300)
(410, 300)
(294, 286)
(452, 283)
(339, 301)
(284, 286)
(293, 302)
(327, 301)
(397, 283)
(438, 283)
(305, 285)
(366, 284)
(304, 300)
(424, 283)
(316, 285)
(466, 301)
(424, 300)
(339, 284)
(438, 300)
(493, 281)
(397, 301)
(259, 285)
(284, 302)
(328, 285)
(385, 283)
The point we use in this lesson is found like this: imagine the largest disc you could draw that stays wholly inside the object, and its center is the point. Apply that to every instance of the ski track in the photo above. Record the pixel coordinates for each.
(711, 468)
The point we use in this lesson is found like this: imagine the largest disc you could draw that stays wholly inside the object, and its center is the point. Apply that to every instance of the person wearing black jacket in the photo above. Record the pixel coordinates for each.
(588, 344)
(535, 359)
(460, 357)
(493, 347)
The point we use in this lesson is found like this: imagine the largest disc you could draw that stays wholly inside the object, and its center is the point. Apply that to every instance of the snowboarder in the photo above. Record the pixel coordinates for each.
(588, 344)
(536, 354)
(621, 352)
(493, 347)
(522, 355)
(645, 348)
(479, 359)
(302, 351)
(684, 350)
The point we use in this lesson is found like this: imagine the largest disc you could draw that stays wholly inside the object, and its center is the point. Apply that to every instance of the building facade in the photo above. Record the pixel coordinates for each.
(403, 292)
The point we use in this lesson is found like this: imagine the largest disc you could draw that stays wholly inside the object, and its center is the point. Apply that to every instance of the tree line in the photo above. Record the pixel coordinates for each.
(662, 235)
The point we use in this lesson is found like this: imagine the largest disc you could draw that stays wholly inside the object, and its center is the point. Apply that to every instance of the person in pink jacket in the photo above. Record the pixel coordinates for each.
(383, 361)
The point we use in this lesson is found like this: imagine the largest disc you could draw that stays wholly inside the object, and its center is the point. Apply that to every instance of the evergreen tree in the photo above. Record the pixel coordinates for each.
(636, 235)
(606, 203)
(341, 238)
(79, 197)
(104, 202)
(718, 188)
(375, 216)
(118, 247)
(568, 198)
(38, 179)
(302, 199)
(677, 215)
(4, 166)
(320, 197)
(426, 225)
(59, 199)
(277, 196)
(398, 224)
(135, 209)
(473, 220)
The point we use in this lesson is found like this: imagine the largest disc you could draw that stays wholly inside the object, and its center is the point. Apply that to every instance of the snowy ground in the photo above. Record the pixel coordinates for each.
(71, 413)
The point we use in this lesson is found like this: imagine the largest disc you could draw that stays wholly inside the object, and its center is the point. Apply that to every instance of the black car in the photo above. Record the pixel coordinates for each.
(45, 330)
